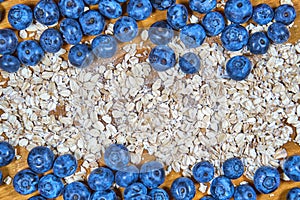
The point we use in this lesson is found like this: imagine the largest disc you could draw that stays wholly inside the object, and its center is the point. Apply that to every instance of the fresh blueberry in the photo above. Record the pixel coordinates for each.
(152, 174)
(293, 194)
(183, 189)
(192, 35)
(127, 176)
(1, 177)
(238, 11)
(189, 63)
(50, 186)
(101, 178)
(278, 33)
(266, 179)
(125, 29)
(76, 190)
(222, 188)
(71, 31)
(161, 33)
(244, 192)
(51, 40)
(8, 41)
(133, 190)
(262, 14)
(20, 16)
(110, 9)
(141, 197)
(207, 198)
(71, 8)
(7, 153)
(202, 6)
(238, 68)
(9, 64)
(291, 167)
(158, 194)
(104, 46)
(92, 22)
(64, 165)
(104, 195)
(285, 14)
(162, 4)
(37, 198)
(30, 52)
(203, 171)
(234, 37)
(162, 58)
(177, 16)
(46, 12)
(116, 156)
(121, 1)
(213, 23)
(91, 2)
(258, 43)
(80, 55)
(233, 168)
(40, 159)
(139, 9)
(25, 182)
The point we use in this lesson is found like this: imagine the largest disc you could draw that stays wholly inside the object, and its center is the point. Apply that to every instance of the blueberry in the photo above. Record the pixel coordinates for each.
(104, 46)
(152, 174)
(183, 188)
(92, 22)
(51, 40)
(71, 31)
(141, 197)
(7, 153)
(238, 11)
(91, 2)
(233, 168)
(50, 186)
(40, 159)
(192, 35)
(1, 177)
(30, 52)
(101, 178)
(121, 1)
(213, 23)
(238, 68)
(64, 165)
(285, 14)
(203, 171)
(177, 16)
(262, 14)
(80, 55)
(116, 156)
(234, 37)
(162, 58)
(293, 194)
(244, 192)
(104, 195)
(134, 189)
(161, 33)
(8, 41)
(139, 9)
(258, 43)
(37, 198)
(266, 179)
(162, 4)
(25, 182)
(158, 194)
(189, 63)
(110, 9)
(221, 188)
(125, 29)
(278, 33)
(46, 12)
(9, 63)
(207, 198)
(202, 6)
(20, 16)
(76, 190)
(291, 167)
(127, 176)
(71, 8)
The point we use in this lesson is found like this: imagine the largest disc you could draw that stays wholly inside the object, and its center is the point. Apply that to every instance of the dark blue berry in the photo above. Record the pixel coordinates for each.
(203, 172)
(291, 167)
(221, 188)
(152, 174)
(207, 198)
(7, 153)
(121, 1)
(139, 9)
(104, 195)
(20, 16)
(233, 168)
(262, 14)
(238, 68)
(104, 46)
(1, 177)
(51, 40)
(110, 9)
(183, 189)
(133, 190)
(278, 33)
(46, 12)
(30, 52)
(9, 64)
(50, 186)
(293, 194)
(192, 35)
(141, 197)
(71, 31)
(158, 194)
(285, 14)
(65, 165)
(238, 11)
(189, 63)
(266, 179)
(101, 178)
(244, 192)
(37, 198)
(162, 58)
(177, 16)
(234, 37)
(116, 156)
(92, 22)
(8, 41)
(71, 8)
(125, 29)
(202, 6)
(25, 182)
(127, 176)
(213, 23)
(258, 43)
(162, 4)
(80, 55)
(161, 33)
(76, 190)
(91, 2)
(40, 159)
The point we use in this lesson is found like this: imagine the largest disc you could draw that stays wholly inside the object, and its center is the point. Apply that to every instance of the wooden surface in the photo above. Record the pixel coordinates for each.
(8, 193)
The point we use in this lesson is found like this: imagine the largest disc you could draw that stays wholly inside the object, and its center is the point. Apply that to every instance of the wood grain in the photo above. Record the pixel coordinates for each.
(7, 192)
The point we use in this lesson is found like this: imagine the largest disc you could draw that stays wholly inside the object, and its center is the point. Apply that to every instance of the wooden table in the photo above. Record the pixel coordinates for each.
(7, 192)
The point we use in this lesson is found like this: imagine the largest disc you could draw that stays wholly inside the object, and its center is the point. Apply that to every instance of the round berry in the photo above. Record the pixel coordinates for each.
(141, 197)
(262, 14)
(104, 195)
(50, 186)
(203, 6)
(158, 193)
(51, 40)
(110, 9)
(278, 33)
(37, 198)
(161, 33)
(91, 2)
(238, 11)
(207, 198)
(30, 52)
(192, 35)
(203, 171)
(127, 176)
(285, 14)
(183, 189)
(238, 68)
(116, 156)
(64, 165)
(213, 23)
(244, 192)
(104, 46)
(177, 16)
(1, 177)
(9, 63)
(71, 8)
(234, 37)
(46, 12)
(7, 153)
(71, 31)
(293, 194)
(80, 55)
(162, 58)
(25, 182)
(101, 178)
(233, 168)
(152, 174)
(258, 43)
(139, 9)
(291, 167)
(8, 41)
(125, 29)
(189, 63)
(266, 179)
(20, 16)
(76, 190)
(40, 159)
(162, 4)
(92, 22)
(222, 188)
(134, 189)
